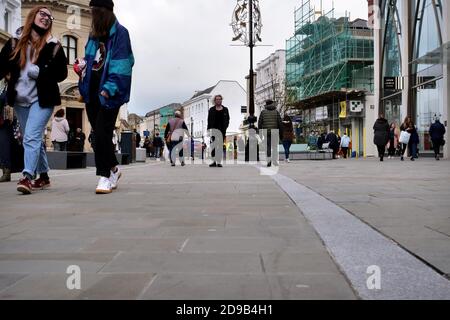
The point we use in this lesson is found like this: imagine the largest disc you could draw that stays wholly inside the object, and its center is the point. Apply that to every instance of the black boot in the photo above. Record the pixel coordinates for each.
(6, 175)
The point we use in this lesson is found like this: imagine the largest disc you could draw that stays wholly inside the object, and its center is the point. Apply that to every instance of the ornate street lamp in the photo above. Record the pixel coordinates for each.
(246, 24)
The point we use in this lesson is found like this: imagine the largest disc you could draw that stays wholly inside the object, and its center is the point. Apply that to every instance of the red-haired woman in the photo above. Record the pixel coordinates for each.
(36, 62)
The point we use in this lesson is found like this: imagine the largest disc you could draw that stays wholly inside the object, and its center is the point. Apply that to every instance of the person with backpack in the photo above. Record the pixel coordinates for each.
(36, 63)
(437, 132)
(174, 135)
(270, 119)
(105, 85)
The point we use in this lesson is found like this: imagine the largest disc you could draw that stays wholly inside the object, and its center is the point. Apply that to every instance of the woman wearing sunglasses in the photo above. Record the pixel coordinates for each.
(35, 62)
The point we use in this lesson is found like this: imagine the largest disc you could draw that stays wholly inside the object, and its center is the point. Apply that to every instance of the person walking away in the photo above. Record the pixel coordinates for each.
(138, 139)
(437, 132)
(36, 63)
(218, 119)
(393, 140)
(105, 85)
(333, 141)
(158, 145)
(381, 135)
(60, 131)
(174, 135)
(414, 142)
(288, 137)
(345, 145)
(406, 130)
(270, 119)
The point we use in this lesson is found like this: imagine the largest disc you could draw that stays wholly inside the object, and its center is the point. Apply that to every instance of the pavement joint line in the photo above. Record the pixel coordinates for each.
(117, 255)
(354, 245)
(12, 285)
(183, 245)
(147, 287)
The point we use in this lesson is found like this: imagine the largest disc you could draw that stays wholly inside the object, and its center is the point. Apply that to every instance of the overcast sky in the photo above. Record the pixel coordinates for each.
(182, 46)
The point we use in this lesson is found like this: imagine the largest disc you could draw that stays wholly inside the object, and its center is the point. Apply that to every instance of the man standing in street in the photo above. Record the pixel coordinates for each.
(138, 139)
(269, 120)
(80, 138)
(218, 119)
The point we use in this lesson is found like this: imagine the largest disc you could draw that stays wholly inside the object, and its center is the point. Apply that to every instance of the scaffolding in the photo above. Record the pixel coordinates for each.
(328, 54)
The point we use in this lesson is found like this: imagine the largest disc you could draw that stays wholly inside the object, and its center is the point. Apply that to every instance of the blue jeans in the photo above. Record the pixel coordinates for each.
(287, 146)
(157, 152)
(32, 122)
(413, 149)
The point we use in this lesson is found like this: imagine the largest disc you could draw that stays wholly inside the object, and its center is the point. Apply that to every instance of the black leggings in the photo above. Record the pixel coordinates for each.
(381, 151)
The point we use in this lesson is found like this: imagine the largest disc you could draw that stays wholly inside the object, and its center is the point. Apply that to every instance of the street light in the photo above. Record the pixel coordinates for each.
(246, 24)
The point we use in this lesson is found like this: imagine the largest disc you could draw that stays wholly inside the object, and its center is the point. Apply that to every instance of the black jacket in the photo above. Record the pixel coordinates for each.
(214, 121)
(382, 132)
(52, 70)
(437, 131)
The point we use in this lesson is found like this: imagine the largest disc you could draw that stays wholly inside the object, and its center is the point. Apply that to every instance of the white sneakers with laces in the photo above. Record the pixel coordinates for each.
(104, 186)
(115, 177)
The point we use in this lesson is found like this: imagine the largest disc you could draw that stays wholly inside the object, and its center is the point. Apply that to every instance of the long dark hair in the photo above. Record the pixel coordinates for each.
(102, 21)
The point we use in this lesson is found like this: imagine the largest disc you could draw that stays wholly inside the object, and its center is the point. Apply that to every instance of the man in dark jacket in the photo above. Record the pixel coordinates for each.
(158, 144)
(381, 130)
(218, 119)
(270, 119)
(437, 132)
(333, 140)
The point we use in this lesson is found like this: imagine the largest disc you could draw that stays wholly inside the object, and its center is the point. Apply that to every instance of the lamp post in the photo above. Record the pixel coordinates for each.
(246, 24)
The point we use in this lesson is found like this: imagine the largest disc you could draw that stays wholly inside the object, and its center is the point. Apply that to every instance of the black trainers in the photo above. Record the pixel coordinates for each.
(213, 165)
(219, 166)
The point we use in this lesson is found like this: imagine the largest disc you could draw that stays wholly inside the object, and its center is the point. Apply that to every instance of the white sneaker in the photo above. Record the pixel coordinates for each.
(115, 177)
(288, 160)
(104, 186)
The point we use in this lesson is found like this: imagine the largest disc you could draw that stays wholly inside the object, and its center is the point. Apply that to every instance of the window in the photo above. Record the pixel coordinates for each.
(69, 44)
(6, 19)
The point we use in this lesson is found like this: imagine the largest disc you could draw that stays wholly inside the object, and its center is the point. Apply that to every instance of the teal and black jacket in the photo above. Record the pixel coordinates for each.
(116, 78)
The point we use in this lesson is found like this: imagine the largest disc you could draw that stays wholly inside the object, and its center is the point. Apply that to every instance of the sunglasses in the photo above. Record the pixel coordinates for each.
(46, 15)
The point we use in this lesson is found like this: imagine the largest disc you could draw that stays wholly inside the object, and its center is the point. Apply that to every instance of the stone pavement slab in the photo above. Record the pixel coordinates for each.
(409, 202)
(167, 233)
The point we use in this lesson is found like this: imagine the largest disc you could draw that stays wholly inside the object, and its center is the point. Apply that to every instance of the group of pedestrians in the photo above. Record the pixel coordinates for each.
(34, 62)
(406, 137)
(340, 146)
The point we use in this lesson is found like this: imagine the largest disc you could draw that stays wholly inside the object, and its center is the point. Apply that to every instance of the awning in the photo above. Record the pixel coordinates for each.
(440, 55)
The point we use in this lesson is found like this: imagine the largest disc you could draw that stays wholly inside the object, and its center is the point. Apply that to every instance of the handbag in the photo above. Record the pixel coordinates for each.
(405, 137)
(169, 136)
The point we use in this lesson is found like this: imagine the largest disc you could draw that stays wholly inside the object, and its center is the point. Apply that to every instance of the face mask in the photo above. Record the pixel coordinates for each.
(40, 31)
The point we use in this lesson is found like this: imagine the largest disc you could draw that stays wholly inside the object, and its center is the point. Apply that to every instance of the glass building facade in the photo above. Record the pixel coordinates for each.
(413, 52)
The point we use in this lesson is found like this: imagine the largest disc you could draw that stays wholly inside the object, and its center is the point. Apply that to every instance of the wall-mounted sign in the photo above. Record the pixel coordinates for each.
(393, 83)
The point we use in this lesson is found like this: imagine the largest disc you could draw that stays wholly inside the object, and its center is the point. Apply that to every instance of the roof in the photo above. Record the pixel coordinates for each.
(206, 91)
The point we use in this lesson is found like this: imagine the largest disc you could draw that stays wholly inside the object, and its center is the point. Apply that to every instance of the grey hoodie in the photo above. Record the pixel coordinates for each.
(26, 86)
(60, 130)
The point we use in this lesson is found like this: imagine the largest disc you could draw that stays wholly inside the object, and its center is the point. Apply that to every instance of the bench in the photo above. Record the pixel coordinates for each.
(301, 152)
(64, 160)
